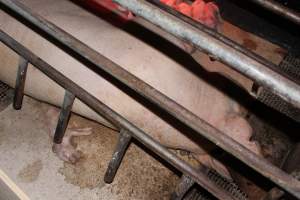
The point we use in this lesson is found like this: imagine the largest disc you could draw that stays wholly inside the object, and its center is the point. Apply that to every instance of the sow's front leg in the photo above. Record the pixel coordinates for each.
(66, 150)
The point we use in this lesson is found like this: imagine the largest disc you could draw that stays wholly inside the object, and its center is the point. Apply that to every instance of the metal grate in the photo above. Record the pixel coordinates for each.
(6, 95)
(3, 90)
(230, 186)
(290, 66)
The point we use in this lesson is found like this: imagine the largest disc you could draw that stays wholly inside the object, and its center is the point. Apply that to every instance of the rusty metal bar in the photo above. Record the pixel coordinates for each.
(280, 10)
(285, 88)
(115, 118)
(182, 188)
(115, 162)
(64, 117)
(20, 83)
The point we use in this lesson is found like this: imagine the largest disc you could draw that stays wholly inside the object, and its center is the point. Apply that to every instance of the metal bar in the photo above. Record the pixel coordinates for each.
(115, 162)
(64, 117)
(182, 188)
(280, 10)
(266, 77)
(20, 83)
(115, 118)
(248, 66)
(211, 32)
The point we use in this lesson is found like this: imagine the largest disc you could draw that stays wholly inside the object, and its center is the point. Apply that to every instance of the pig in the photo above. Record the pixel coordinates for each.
(139, 58)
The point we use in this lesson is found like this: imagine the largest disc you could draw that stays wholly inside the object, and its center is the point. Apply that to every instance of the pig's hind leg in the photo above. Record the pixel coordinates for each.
(66, 150)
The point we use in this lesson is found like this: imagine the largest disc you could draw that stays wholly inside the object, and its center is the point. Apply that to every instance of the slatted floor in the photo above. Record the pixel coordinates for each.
(6, 95)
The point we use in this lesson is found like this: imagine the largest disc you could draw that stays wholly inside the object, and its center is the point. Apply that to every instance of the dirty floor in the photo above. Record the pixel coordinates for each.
(27, 158)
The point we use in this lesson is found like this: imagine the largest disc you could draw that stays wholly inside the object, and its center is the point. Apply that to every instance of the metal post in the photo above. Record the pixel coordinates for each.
(182, 188)
(115, 162)
(20, 83)
(64, 117)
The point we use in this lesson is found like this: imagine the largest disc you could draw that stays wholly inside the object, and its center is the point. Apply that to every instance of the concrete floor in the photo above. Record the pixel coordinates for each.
(27, 158)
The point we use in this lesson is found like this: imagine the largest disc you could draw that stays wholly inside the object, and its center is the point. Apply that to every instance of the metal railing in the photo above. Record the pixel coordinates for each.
(248, 66)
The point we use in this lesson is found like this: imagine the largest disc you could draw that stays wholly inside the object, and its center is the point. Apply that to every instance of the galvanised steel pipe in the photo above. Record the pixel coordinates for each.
(264, 76)
(280, 10)
(259, 164)
(116, 119)
(236, 46)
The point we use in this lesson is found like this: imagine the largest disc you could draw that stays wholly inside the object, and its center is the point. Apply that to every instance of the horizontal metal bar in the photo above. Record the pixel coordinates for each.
(220, 139)
(280, 10)
(115, 162)
(20, 83)
(115, 118)
(64, 117)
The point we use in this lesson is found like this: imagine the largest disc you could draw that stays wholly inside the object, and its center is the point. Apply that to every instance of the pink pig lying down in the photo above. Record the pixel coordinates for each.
(140, 59)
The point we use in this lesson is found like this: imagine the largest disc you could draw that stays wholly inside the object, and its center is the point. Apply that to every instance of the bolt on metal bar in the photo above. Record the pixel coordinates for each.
(20, 83)
(280, 10)
(248, 66)
(182, 188)
(116, 119)
(64, 117)
(115, 162)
